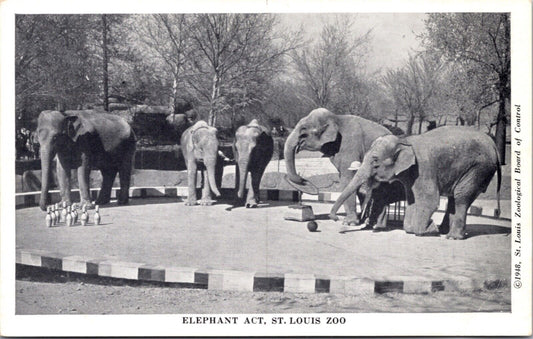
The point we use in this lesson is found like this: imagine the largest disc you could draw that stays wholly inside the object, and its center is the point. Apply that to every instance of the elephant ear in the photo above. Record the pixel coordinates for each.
(75, 127)
(328, 132)
(404, 157)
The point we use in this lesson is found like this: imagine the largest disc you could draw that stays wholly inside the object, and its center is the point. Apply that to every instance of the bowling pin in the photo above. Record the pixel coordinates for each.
(84, 218)
(63, 217)
(97, 217)
(53, 215)
(56, 212)
(48, 218)
(75, 213)
(68, 217)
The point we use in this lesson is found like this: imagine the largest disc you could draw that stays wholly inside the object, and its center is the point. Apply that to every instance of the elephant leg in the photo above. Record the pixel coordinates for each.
(253, 192)
(465, 192)
(63, 178)
(191, 182)
(124, 173)
(352, 218)
(84, 172)
(458, 222)
(426, 196)
(108, 177)
(207, 199)
(450, 210)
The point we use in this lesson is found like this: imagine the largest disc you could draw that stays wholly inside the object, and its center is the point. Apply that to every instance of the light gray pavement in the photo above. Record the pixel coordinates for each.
(163, 231)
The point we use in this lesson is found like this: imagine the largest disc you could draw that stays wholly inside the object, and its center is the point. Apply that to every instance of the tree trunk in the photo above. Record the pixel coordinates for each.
(174, 96)
(501, 123)
(410, 123)
(105, 62)
(420, 126)
(212, 117)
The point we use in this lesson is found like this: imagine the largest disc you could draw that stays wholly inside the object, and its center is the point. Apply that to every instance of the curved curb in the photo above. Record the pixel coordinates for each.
(30, 199)
(229, 280)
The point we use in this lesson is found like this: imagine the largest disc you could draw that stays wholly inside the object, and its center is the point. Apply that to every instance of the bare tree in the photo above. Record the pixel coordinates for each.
(323, 65)
(414, 86)
(481, 40)
(53, 66)
(168, 37)
(234, 48)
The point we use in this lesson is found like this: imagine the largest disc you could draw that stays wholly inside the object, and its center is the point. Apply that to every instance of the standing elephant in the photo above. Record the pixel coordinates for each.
(253, 148)
(457, 162)
(343, 138)
(83, 140)
(199, 145)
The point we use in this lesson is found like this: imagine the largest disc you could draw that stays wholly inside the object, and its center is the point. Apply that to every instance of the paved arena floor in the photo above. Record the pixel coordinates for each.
(165, 232)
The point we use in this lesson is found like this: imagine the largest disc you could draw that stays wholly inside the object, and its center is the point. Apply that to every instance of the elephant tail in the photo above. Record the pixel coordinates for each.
(499, 174)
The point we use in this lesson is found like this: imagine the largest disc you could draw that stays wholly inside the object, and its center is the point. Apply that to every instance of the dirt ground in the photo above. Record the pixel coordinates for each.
(55, 293)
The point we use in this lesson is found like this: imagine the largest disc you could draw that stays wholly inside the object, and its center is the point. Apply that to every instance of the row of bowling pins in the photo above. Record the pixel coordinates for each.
(69, 215)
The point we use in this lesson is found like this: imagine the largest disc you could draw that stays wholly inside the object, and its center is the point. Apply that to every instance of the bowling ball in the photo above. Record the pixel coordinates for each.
(312, 226)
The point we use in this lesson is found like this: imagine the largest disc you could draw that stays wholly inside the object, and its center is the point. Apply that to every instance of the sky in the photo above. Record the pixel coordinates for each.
(393, 34)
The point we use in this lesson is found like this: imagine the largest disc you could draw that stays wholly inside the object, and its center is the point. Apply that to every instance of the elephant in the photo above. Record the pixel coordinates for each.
(342, 138)
(199, 145)
(252, 148)
(83, 140)
(452, 161)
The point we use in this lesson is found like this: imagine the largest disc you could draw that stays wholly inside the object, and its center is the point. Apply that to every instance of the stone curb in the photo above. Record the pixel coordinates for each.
(31, 199)
(230, 280)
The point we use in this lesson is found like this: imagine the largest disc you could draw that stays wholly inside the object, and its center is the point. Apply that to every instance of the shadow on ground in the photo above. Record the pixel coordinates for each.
(472, 230)
(477, 230)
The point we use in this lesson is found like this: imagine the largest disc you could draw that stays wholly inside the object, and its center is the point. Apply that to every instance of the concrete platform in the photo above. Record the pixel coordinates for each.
(218, 247)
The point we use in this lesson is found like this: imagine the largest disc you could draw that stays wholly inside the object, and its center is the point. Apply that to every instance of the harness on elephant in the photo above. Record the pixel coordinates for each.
(199, 127)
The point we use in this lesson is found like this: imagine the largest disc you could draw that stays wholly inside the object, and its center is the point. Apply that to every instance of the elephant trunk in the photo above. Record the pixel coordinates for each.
(243, 174)
(46, 163)
(289, 154)
(210, 165)
(359, 179)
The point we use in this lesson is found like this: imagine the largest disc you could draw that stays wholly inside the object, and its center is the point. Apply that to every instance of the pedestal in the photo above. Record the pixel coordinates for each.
(300, 213)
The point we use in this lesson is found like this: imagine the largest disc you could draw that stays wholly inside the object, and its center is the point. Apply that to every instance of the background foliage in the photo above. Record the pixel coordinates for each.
(230, 68)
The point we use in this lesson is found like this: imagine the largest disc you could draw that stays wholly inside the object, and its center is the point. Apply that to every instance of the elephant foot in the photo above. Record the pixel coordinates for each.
(123, 201)
(431, 231)
(102, 201)
(207, 202)
(191, 203)
(351, 220)
(455, 236)
(251, 204)
(377, 229)
(87, 203)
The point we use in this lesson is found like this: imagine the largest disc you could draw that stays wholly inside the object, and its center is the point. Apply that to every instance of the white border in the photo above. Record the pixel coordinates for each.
(518, 322)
